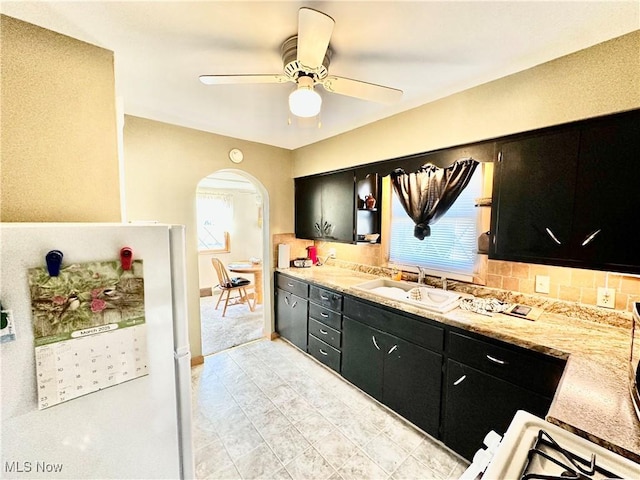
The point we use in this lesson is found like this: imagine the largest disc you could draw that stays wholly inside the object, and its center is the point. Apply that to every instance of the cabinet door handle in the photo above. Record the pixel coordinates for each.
(591, 237)
(323, 352)
(324, 332)
(374, 342)
(553, 237)
(459, 381)
(324, 315)
(293, 305)
(395, 347)
(286, 300)
(496, 360)
(323, 297)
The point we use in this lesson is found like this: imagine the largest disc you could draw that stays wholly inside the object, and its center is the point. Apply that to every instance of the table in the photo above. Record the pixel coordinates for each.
(256, 270)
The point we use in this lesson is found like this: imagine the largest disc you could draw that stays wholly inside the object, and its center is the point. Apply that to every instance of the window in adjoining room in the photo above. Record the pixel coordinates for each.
(215, 217)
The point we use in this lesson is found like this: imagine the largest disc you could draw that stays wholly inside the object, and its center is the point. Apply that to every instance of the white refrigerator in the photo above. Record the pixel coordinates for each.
(139, 428)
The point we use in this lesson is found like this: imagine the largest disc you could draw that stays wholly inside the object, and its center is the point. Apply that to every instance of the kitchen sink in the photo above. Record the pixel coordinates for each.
(429, 298)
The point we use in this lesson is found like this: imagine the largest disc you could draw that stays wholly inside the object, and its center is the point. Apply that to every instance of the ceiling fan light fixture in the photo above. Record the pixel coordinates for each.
(304, 101)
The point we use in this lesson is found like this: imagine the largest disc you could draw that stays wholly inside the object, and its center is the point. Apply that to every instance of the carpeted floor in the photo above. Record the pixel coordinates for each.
(237, 327)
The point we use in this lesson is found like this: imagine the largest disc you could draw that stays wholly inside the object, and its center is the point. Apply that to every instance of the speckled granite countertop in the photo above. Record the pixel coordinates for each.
(592, 399)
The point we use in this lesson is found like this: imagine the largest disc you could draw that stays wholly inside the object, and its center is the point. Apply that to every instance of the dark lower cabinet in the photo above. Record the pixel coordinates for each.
(398, 360)
(477, 403)
(291, 318)
(362, 362)
(412, 384)
(403, 376)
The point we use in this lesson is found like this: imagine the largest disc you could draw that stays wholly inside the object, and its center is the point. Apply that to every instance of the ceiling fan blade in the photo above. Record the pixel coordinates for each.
(363, 90)
(242, 79)
(314, 33)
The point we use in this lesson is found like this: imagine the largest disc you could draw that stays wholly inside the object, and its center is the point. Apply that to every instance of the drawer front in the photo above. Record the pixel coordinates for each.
(324, 353)
(327, 298)
(326, 316)
(530, 370)
(415, 331)
(326, 334)
(292, 285)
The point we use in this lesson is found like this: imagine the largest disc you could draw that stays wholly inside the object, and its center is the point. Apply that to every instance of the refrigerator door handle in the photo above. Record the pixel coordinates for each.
(185, 430)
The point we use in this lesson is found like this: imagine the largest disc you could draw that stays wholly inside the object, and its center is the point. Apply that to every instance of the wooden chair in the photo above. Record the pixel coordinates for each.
(227, 289)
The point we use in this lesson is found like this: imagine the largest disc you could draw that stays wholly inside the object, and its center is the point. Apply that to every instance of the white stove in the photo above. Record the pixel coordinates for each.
(535, 449)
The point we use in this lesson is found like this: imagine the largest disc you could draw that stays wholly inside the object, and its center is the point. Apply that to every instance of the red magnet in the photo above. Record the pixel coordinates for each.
(126, 257)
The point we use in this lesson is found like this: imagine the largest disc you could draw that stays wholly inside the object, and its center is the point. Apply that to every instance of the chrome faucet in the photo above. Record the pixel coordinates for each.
(422, 274)
(444, 282)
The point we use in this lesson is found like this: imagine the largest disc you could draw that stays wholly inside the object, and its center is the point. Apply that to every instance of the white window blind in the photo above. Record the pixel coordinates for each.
(452, 245)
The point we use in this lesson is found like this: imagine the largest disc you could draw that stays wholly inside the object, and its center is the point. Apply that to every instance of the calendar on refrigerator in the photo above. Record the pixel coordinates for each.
(89, 328)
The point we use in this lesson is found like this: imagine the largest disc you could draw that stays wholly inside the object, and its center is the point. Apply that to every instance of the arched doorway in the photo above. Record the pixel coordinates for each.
(232, 211)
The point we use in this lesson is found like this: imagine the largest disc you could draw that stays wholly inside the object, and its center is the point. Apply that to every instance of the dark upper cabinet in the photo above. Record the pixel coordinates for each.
(607, 201)
(534, 186)
(325, 207)
(568, 195)
(308, 205)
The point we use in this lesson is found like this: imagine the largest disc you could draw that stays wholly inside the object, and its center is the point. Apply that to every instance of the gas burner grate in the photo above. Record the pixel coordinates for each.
(572, 466)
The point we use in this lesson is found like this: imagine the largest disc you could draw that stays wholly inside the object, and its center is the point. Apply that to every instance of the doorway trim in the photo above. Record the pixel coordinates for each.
(267, 255)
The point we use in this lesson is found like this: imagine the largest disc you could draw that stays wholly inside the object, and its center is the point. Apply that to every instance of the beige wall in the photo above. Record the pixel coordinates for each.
(600, 80)
(163, 165)
(59, 141)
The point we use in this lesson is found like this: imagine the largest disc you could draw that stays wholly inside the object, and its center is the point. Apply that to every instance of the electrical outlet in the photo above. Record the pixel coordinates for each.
(542, 284)
(332, 253)
(606, 297)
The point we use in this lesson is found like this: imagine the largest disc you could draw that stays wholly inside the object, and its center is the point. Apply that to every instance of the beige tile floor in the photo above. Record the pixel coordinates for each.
(267, 410)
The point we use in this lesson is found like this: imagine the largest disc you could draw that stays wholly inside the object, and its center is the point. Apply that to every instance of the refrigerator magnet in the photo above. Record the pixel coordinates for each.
(126, 257)
(54, 261)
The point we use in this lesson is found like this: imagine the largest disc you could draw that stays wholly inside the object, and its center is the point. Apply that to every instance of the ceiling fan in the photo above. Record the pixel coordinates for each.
(306, 57)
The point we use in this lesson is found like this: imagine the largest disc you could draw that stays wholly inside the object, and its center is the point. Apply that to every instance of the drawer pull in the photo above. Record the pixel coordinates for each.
(395, 347)
(374, 342)
(324, 332)
(497, 360)
(289, 284)
(324, 297)
(459, 381)
(324, 315)
(323, 352)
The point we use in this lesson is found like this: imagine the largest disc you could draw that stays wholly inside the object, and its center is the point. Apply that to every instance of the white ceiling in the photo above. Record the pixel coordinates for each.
(428, 49)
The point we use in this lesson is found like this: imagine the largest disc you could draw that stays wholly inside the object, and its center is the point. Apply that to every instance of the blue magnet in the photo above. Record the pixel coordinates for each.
(54, 260)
